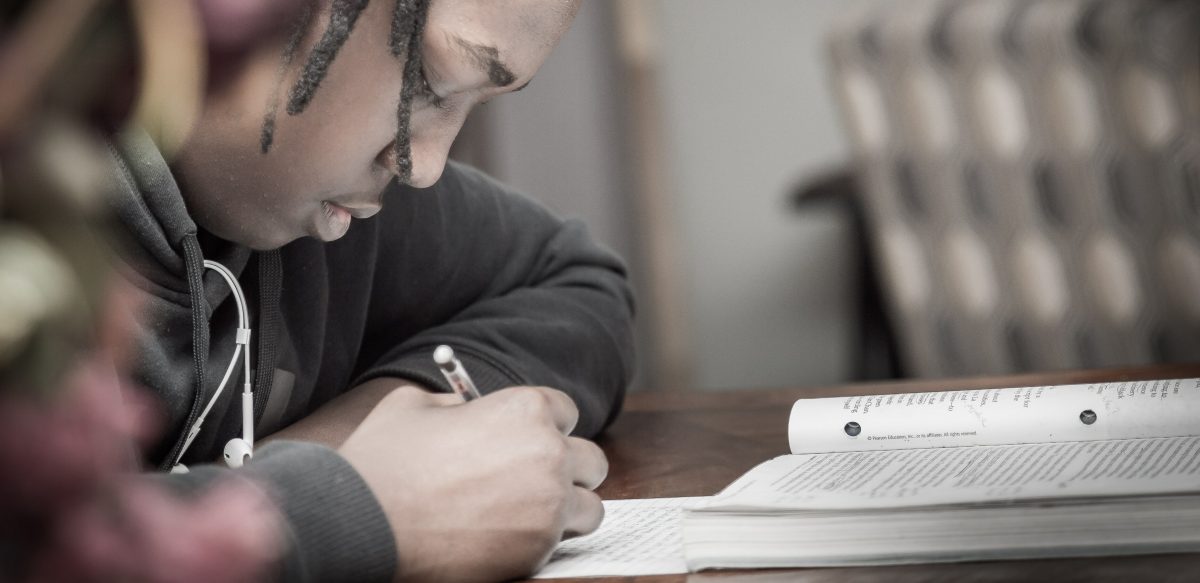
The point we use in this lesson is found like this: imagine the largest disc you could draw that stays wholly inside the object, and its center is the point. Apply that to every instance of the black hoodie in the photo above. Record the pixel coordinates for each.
(524, 297)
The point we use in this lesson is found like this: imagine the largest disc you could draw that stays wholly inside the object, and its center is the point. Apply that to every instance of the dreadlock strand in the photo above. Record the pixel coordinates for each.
(342, 17)
(403, 22)
(409, 18)
(299, 29)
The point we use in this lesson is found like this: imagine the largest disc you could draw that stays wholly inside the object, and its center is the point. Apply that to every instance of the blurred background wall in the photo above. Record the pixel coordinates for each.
(685, 131)
(746, 291)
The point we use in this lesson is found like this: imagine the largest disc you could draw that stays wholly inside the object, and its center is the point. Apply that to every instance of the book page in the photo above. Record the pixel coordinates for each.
(1162, 408)
(637, 537)
(939, 476)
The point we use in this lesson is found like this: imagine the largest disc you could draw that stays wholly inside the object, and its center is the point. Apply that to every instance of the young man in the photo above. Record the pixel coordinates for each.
(303, 177)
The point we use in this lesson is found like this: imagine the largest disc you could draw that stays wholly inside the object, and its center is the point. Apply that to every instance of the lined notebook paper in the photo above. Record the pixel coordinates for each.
(638, 537)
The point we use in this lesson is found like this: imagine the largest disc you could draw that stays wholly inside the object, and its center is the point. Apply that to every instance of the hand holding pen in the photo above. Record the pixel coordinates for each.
(484, 476)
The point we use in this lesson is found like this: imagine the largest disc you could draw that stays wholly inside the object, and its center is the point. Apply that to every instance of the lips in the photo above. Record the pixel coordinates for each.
(358, 211)
(331, 220)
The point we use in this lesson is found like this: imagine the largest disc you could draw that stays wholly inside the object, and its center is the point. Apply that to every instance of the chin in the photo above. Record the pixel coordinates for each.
(271, 245)
(260, 241)
(259, 231)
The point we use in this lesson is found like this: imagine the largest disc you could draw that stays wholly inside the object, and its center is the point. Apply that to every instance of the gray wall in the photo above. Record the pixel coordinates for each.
(747, 116)
(750, 116)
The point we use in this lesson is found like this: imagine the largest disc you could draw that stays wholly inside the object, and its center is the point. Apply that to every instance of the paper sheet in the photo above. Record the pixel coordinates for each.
(1124, 410)
(638, 537)
(936, 476)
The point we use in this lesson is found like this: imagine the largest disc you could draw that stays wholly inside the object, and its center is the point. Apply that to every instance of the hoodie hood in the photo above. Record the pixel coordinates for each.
(163, 247)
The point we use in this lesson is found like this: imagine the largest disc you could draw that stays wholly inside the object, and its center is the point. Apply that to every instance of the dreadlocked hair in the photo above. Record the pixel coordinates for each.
(408, 27)
(404, 40)
(299, 29)
(342, 17)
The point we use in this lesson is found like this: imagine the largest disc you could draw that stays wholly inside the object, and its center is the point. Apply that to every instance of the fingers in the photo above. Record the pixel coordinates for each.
(585, 513)
(588, 465)
(562, 409)
(541, 402)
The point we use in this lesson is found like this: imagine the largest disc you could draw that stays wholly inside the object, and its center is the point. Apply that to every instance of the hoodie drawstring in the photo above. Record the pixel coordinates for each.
(270, 277)
(193, 260)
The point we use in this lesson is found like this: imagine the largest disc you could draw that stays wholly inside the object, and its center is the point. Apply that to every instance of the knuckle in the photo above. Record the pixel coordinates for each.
(593, 450)
(591, 458)
(530, 401)
(553, 451)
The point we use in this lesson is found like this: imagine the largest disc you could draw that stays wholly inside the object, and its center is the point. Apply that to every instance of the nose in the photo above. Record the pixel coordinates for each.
(428, 155)
(430, 150)
(428, 161)
(433, 132)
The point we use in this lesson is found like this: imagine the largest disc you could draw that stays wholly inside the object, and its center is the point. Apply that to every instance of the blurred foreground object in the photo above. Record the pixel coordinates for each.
(73, 506)
(1031, 173)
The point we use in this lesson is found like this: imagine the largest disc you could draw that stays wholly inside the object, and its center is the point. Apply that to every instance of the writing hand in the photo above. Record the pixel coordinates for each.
(478, 491)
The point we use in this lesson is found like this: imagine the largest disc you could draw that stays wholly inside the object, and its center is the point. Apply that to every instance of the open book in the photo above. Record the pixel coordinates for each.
(1060, 471)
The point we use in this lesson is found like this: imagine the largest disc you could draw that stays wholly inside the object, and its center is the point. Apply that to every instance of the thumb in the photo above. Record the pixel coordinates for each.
(445, 399)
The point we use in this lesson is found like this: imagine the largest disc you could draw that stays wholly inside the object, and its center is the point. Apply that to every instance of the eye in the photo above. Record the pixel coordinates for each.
(426, 92)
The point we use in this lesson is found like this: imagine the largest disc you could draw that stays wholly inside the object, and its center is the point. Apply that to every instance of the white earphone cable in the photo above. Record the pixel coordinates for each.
(203, 415)
(242, 349)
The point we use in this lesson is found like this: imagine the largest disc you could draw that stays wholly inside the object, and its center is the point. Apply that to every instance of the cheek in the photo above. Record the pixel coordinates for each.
(352, 115)
(352, 129)
(331, 150)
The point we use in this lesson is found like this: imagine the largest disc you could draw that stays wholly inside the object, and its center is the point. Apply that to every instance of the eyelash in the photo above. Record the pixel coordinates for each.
(427, 93)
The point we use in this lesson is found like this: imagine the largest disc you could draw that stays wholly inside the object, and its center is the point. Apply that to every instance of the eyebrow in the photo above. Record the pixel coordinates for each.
(487, 59)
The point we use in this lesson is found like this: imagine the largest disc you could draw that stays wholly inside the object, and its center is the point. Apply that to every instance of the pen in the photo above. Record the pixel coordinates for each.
(454, 372)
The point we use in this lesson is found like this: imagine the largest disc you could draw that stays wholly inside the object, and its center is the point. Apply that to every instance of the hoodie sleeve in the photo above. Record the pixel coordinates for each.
(306, 481)
(523, 297)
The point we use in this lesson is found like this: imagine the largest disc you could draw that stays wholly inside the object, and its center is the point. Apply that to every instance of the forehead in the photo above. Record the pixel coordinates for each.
(522, 31)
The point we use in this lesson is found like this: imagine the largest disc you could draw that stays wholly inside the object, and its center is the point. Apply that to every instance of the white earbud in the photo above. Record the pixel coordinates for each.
(237, 451)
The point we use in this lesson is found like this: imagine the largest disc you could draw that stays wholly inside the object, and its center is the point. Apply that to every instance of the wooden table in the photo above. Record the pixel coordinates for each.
(693, 444)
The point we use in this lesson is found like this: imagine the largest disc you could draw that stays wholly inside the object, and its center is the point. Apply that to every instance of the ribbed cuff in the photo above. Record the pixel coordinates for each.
(338, 531)
(418, 366)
